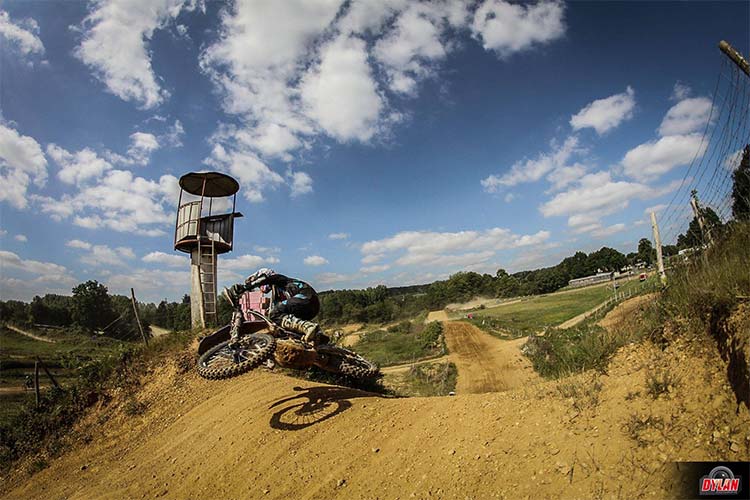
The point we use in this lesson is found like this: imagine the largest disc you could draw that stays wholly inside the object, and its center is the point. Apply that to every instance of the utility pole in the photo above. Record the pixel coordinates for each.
(659, 256)
(735, 56)
(138, 319)
(705, 231)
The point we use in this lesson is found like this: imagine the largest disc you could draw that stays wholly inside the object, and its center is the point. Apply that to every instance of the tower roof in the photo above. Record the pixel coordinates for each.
(217, 184)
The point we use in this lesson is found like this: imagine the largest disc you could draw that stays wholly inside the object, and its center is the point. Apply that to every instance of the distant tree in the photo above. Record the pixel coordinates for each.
(741, 188)
(693, 237)
(669, 250)
(645, 251)
(92, 305)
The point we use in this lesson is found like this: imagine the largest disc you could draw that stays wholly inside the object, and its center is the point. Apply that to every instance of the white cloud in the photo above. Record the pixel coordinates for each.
(656, 208)
(84, 245)
(370, 15)
(454, 250)
(172, 260)
(413, 45)
(268, 250)
(10, 260)
(173, 136)
(21, 161)
(3, 232)
(23, 35)
(341, 94)
(119, 201)
(301, 183)
(375, 269)
(254, 175)
(21, 237)
(315, 260)
(247, 263)
(330, 278)
(103, 255)
(150, 284)
(609, 230)
(141, 146)
(509, 28)
(77, 168)
(605, 114)
(687, 116)
(338, 236)
(655, 158)
(534, 169)
(595, 196)
(115, 34)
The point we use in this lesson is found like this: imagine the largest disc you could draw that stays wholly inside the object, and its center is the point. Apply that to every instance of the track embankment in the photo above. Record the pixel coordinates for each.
(486, 363)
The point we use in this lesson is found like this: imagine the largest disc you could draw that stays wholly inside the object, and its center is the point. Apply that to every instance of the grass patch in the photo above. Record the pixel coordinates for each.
(584, 393)
(34, 428)
(536, 314)
(429, 379)
(660, 381)
(402, 343)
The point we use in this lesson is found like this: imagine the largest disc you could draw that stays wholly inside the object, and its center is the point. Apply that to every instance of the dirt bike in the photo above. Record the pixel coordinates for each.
(261, 341)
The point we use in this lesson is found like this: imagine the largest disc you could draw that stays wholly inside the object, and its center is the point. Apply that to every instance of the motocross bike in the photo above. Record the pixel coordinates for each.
(263, 342)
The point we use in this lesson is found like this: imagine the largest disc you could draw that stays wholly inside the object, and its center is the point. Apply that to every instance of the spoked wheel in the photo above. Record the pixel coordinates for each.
(339, 360)
(222, 361)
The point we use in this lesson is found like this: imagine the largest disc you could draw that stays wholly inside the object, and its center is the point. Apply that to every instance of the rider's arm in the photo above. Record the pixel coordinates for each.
(274, 280)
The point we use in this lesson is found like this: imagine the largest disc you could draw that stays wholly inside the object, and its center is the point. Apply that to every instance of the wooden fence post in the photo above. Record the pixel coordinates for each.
(44, 367)
(137, 319)
(36, 381)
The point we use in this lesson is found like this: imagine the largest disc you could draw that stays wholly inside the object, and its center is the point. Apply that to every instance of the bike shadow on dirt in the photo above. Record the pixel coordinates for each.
(312, 406)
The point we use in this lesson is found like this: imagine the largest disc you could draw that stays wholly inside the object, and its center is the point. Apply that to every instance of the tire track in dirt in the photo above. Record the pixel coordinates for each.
(486, 363)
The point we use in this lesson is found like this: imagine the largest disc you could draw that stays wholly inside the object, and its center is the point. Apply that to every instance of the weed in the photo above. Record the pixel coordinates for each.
(660, 381)
(585, 393)
(134, 407)
(645, 429)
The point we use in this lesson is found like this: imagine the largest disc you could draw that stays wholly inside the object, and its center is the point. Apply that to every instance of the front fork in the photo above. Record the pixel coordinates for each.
(234, 333)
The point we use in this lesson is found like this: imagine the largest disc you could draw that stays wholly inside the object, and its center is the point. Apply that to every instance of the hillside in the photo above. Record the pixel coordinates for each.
(272, 436)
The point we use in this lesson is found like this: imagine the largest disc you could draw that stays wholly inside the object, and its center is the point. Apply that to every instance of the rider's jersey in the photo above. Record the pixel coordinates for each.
(289, 287)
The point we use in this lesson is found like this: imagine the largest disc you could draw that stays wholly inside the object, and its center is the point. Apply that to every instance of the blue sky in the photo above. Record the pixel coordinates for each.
(375, 141)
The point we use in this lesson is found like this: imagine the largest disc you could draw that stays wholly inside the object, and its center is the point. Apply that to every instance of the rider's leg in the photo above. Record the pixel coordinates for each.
(293, 314)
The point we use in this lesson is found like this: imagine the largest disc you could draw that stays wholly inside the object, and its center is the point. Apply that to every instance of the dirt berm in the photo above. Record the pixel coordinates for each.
(266, 435)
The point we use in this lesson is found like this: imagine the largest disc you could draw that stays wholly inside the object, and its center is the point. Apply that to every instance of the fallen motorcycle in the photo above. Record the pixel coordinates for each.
(263, 342)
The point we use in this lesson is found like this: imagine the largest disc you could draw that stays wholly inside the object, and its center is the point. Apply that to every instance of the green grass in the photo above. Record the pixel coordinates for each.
(18, 354)
(430, 379)
(535, 314)
(406, 342)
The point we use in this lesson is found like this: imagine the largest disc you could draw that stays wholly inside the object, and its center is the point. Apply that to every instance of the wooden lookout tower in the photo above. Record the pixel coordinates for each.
(205, 234)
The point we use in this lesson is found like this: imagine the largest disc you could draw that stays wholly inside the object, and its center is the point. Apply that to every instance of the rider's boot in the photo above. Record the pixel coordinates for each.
(310, 331)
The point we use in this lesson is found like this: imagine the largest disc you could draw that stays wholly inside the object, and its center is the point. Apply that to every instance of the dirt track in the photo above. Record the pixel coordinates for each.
(266, 435)
(30, 335)
(486, 363)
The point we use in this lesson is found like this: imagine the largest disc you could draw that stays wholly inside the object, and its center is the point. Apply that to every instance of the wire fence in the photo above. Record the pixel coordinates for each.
(710, 173)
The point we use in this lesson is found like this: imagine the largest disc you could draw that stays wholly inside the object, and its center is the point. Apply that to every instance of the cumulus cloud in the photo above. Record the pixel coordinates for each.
(119, 201)
(531, 170)
(341, 94)
(114, 46)
(10, 260)
(301, 183)
(77, 168)
(595, 196)
(21, 237)
(84, 245)
(687, 116)
(167, 259)
(654, 158)
(46, 277)
(104, 256)
(509, 28)
(605, 114)
(338, 236)
(315, 260)
(247, 263)
(254, 174)
(446, 249)
(21, 162)
(22, 35)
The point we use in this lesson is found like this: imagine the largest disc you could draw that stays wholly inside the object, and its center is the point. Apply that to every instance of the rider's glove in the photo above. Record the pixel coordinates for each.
(234, 293)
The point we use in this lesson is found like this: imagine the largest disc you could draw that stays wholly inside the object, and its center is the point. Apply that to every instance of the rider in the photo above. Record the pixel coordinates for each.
(293, 308)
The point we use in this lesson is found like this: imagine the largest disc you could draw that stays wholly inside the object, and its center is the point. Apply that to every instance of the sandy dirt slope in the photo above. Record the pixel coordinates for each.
(441, 315)
(265, 435)
(625, 310)
(486, 363)
(404, 367)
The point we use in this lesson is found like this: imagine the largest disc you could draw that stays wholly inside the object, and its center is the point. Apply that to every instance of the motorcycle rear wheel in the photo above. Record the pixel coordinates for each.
(339, 360)
(222, 361)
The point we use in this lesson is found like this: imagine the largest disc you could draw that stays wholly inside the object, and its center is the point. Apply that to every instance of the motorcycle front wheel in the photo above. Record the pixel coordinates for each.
(223, 361)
